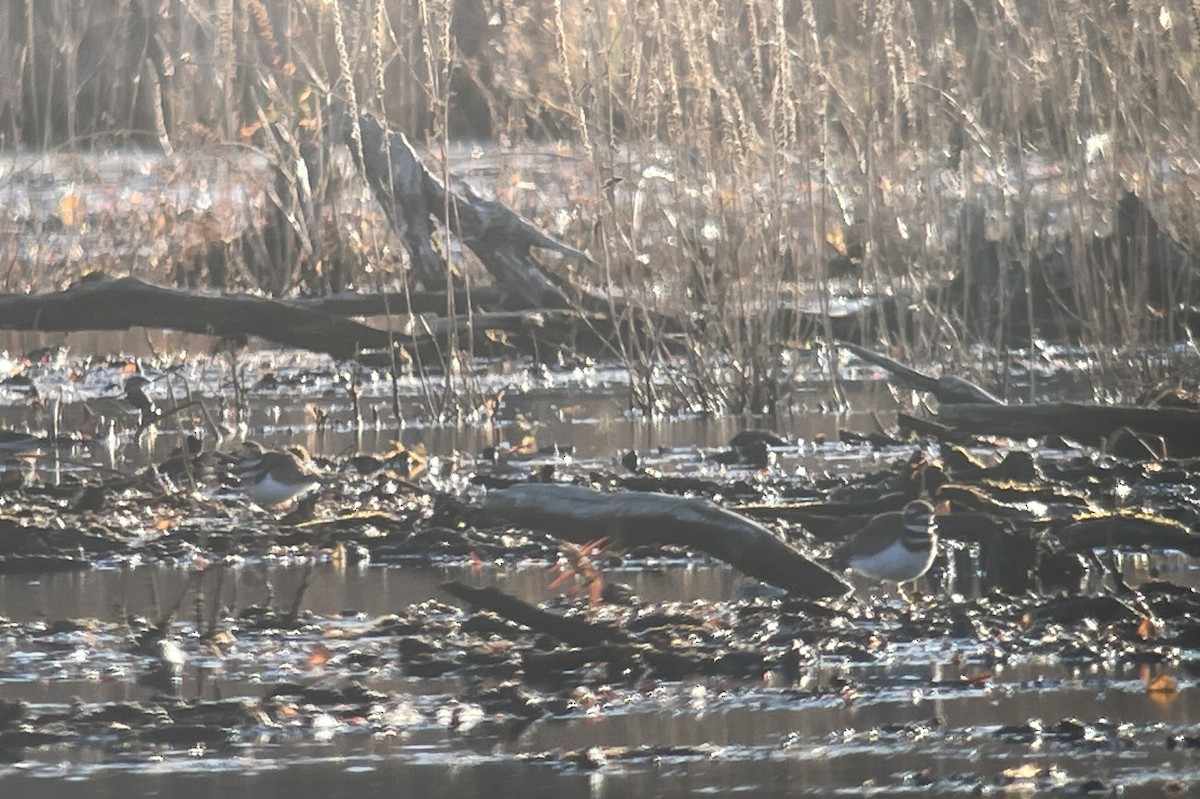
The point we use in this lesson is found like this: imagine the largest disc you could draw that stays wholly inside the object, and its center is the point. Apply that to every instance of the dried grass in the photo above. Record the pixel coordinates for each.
(731, 149)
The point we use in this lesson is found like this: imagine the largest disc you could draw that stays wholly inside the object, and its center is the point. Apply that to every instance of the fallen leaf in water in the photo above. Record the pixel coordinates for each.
(1162, 690)
(1026, 771)
(1163, 684)
(319, 655)
(1146, 629)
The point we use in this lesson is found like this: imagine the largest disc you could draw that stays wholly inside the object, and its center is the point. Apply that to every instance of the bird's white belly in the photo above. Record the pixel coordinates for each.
(896, 563)
(268, 491)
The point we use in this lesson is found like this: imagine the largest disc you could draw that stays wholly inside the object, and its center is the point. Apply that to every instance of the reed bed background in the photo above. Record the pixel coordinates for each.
(725, 163)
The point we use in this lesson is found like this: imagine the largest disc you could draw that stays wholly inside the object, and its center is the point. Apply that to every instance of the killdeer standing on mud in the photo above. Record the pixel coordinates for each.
(897, 547)
(273, 477)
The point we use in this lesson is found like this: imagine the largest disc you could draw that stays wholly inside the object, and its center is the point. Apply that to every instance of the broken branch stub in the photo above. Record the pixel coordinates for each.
(413, 198)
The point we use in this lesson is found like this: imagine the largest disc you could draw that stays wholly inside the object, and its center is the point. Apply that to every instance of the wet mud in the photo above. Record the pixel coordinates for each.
(162, 631)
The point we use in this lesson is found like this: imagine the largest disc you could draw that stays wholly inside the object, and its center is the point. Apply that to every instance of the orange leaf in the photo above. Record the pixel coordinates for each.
(71, 210)
(319, 655)
(1146, 629)
(562, 578)
(1163, 684)
(836, 238)
(594, 545)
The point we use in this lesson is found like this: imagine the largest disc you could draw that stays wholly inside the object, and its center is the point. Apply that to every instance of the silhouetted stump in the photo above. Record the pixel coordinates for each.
(413, 199)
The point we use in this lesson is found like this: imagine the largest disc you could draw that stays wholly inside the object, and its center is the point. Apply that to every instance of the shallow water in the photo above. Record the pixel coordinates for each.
(908, 727)
(584, 413)
(108, 594)
(902, 724)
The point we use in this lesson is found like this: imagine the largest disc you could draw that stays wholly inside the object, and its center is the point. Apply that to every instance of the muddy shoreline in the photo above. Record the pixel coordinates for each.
(156, 618)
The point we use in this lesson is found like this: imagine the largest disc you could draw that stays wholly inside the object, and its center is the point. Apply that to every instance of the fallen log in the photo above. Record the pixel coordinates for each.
(1088, 424)
(595, 642)
(1124, 531)
(632, 519)
(525, 331)
(948, 389)
(99, 302)
(929, 428)
(573, 631)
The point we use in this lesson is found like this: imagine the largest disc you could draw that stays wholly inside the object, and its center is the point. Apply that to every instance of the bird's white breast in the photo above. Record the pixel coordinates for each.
(895, 563)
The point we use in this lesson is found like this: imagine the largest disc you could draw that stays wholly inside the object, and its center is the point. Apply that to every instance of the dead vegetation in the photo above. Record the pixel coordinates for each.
(722, 164)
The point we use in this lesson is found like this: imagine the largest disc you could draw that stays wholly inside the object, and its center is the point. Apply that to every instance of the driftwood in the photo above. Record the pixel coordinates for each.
(573, 631)
(1124, 531)
(966, 409)
(1088, 424)
(413, 198)
(630, 519)
(948, 389)
(102, 303)
(928, 427)
(592, 642)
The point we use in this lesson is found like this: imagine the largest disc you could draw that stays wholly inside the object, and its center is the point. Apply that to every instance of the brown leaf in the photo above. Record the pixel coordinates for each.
(71, 210)
(319, 655)
(1163, 684)
(1146, 629)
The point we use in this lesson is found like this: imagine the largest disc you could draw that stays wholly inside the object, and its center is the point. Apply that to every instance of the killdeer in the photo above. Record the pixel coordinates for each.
(897, 547)
(273, 477)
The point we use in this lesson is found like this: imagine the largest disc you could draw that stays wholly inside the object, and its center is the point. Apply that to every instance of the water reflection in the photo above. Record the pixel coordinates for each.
(899, 730)
(586, 412)
(111, 594)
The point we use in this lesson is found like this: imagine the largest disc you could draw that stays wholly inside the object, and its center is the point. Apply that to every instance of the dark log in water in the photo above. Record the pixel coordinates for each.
(1088, 424)
(100, 303)
(930, 428)
(569, 630)
(1117, 531)
(1008, 556)
(631, 519)
(413, 198)
(948, 389)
